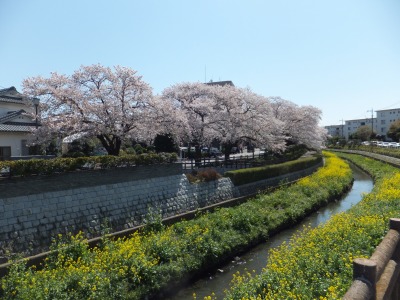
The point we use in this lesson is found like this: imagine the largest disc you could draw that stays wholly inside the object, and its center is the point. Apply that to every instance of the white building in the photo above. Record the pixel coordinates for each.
(14, 124)
(351, 126)
(335, 130)
(384, 118)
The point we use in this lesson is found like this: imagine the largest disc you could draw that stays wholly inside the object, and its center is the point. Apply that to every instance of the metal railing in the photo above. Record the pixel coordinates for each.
(234, 162)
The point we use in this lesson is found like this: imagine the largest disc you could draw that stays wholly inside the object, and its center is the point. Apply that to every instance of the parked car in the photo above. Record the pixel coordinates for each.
(204, 150)
(235, 150)
(214, 152)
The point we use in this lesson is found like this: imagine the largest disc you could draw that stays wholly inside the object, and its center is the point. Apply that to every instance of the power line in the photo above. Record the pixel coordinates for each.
(397, 103)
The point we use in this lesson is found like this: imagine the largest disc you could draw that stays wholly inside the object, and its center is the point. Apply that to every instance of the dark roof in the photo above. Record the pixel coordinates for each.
(9, 91)
(11, 95)
(222, 83)
(10, 115)
(15, 128)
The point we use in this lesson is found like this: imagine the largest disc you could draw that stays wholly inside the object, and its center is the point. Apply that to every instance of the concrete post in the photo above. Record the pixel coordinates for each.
(364, 280)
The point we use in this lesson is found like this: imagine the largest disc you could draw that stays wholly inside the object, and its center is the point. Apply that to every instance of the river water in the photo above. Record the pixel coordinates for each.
(256, 258)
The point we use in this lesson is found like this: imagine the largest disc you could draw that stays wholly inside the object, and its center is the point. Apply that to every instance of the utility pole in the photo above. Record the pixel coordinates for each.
(342, 128)
(372, 120)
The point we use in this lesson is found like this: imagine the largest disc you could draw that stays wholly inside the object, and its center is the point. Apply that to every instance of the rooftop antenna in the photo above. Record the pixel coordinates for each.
(205, 73)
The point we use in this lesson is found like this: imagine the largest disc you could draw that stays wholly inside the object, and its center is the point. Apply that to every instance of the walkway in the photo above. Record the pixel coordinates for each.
(384, 158)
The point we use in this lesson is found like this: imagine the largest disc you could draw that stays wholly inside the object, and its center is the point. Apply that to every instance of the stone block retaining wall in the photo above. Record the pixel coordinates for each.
(33, 210)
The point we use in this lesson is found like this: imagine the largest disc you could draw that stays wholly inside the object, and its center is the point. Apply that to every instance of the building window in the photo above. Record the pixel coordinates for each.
(383, 122)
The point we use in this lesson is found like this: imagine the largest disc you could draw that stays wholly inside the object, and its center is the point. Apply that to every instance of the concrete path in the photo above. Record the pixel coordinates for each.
(384, 158)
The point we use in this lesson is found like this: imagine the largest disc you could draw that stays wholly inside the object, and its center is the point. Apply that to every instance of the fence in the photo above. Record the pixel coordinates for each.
(378, 277)
(234, 162)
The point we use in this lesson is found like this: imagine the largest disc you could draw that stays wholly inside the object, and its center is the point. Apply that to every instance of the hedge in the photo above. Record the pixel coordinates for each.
(244, 176)
(59, 165)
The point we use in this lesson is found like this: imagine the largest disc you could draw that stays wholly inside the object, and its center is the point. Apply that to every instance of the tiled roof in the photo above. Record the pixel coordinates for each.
(11, 99)
(11, 95)
(10, 115)
(8, 91)
(15, 128)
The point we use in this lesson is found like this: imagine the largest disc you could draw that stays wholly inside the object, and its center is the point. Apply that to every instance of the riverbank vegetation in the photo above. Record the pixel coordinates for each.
(159, 257)
(318, 263)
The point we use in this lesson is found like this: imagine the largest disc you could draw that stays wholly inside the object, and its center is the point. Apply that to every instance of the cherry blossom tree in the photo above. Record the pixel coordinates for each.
(224, 113)
(300, 123)
(242, 115)
(111, 104)
(194, 104)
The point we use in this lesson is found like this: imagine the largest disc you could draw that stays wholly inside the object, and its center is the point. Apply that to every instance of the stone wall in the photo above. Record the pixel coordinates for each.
(35, 209)
(32, 210)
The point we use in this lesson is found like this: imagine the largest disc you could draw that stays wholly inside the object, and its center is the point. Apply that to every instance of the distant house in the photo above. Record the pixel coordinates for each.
(15, 125)
(222, 83)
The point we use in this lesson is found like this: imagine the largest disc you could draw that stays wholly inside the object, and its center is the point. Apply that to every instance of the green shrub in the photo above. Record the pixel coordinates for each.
(59, 165)
(244, 176)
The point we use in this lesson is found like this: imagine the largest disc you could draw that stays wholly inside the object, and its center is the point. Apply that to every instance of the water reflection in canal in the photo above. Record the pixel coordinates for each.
(256, 258)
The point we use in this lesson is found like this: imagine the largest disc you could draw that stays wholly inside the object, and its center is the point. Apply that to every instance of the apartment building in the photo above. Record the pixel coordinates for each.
(335, 130)
(351, 126)
(384, 118)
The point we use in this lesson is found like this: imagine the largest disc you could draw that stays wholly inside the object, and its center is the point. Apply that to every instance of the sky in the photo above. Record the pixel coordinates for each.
(340, 56)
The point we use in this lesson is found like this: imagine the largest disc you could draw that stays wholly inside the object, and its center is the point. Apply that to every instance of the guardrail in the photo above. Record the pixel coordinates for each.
(378, 277)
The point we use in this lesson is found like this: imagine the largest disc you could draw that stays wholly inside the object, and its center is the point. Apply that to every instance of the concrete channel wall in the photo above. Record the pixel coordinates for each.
(33, 210)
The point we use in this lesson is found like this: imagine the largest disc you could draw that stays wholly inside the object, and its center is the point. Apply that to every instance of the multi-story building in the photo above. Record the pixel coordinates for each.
(15, 124)
(380, 124)
(384, 118)
(335, 130)
(351, 126)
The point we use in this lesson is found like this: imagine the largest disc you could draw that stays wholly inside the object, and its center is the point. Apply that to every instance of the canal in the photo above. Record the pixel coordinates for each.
(256, 258)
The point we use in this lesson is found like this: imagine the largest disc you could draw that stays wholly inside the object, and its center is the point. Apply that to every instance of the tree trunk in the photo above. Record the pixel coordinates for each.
(227, 150)
(112, 145)
(197, 155)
